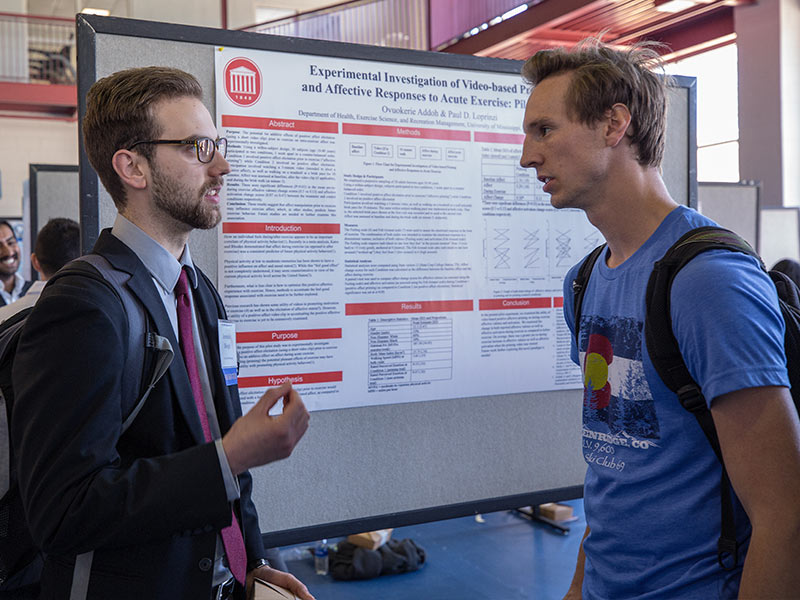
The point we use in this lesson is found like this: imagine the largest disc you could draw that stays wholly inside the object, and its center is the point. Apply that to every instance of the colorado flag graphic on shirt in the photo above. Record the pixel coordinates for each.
(616, 396)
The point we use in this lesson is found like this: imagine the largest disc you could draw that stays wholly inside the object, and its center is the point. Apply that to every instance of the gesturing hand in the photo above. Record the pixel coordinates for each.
(258, 438)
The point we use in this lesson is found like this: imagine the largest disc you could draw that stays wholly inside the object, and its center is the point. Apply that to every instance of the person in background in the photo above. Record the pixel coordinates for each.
(162, 511)
(57, 243)
(594, 126)
(790, 268)
(13, 285)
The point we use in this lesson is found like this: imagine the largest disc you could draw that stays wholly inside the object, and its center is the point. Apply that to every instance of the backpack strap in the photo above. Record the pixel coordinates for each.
(789, 300)
(579, 285)
(136, 383)
(164, 356)
(661, 343)
(25, 287)
(80, 576)
(662, 346)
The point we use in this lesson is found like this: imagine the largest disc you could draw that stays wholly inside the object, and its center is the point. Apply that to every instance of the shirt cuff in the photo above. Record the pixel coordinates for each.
(231, 483)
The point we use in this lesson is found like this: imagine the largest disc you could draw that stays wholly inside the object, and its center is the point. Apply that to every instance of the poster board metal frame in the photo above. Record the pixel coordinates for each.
(89, 27)
(33, 227)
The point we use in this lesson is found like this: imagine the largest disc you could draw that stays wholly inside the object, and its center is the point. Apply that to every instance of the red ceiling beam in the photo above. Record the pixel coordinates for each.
(58, 101)
(536, 16)
(651, 31)
(26, 17)
(698, 32)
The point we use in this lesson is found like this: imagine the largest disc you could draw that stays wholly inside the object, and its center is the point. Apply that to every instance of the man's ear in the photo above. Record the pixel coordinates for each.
(35, 264)
(617, 124)
(131, 168)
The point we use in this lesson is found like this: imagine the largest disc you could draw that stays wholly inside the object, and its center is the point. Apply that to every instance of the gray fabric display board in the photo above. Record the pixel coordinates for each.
(53, 193)
(780, 234)
(365, 468)
(732, 205)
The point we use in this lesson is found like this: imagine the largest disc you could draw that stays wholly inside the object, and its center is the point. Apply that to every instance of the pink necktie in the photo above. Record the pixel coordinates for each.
(231, 535)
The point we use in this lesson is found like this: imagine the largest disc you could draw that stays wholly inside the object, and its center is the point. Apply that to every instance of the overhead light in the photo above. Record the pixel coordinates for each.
(514, 12)
(96, 11)
(673, 6)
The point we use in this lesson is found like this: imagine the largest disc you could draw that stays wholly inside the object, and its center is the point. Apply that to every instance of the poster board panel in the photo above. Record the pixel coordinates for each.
(780, 234)
(732, 205)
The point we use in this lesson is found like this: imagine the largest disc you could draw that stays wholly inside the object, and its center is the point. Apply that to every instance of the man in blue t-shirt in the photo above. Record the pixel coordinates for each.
(594, 130)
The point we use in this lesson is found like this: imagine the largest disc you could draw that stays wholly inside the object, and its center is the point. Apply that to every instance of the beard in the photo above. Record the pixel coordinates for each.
(7, 269)
(184, 204)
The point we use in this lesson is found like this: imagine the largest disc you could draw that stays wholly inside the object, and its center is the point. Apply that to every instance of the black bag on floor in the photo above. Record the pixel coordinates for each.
(349, 561)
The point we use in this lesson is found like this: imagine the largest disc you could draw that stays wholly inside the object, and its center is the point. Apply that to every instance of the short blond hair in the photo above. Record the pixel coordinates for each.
(603, 76)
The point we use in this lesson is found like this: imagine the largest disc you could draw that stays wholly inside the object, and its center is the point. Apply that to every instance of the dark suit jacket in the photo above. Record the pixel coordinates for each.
(149, 502)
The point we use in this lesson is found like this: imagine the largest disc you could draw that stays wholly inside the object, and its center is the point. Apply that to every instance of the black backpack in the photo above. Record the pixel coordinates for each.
(667, 360)
(20, 560)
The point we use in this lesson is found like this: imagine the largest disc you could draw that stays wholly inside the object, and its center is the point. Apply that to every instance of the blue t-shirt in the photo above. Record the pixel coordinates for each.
(651, 493)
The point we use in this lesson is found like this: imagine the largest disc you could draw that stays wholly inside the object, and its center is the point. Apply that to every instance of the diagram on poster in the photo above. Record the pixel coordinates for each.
(380, 242)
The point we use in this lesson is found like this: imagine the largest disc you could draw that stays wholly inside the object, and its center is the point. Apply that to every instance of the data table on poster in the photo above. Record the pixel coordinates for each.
(406, 351)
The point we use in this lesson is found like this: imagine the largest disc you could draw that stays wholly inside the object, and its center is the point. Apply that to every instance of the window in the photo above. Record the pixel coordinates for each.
(717, 111)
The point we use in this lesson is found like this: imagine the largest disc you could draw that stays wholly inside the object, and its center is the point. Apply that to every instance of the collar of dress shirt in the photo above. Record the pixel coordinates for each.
(161, 264)
(19, 281)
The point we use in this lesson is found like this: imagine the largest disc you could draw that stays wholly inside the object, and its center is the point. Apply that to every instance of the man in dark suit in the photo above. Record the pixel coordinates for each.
(162, 509)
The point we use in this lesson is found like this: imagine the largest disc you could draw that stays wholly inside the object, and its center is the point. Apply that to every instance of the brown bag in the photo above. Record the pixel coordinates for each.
(269, 591)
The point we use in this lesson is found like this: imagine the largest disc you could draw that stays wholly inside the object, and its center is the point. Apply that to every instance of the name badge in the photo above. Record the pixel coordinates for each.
(227, 351)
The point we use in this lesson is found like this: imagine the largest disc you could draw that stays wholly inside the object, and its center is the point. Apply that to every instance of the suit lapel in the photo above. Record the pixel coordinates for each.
(142, 287)
(206, 311)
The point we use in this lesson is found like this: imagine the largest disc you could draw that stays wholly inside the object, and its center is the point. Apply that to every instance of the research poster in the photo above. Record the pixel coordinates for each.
(380, 242)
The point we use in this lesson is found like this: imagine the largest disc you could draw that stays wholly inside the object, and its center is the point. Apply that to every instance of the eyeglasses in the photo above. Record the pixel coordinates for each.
(204, 146)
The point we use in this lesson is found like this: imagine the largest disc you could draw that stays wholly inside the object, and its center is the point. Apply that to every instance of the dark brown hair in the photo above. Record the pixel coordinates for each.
(603, 76)
(57, 243)
(119, 112)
